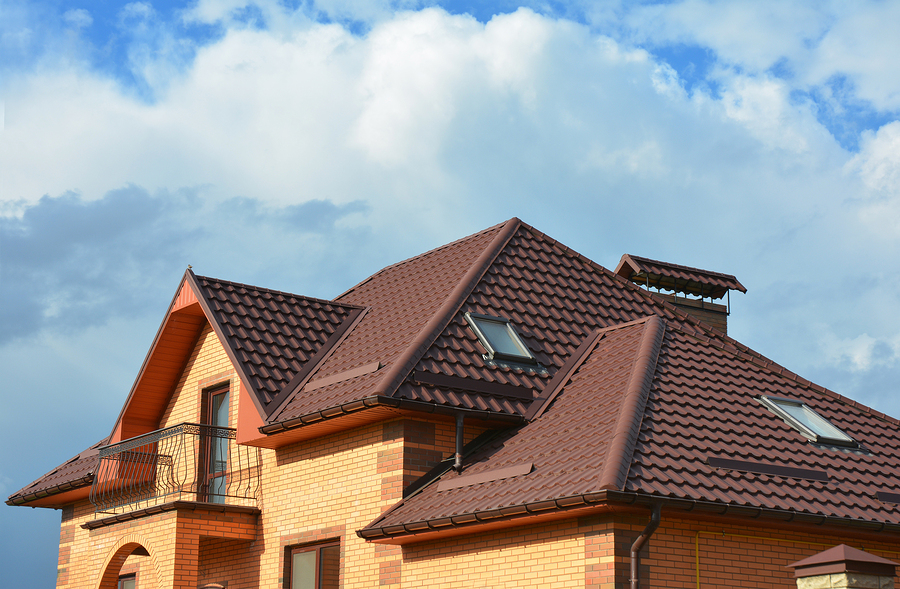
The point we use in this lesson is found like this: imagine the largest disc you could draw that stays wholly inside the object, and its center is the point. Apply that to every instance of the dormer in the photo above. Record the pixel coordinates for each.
(698, 288)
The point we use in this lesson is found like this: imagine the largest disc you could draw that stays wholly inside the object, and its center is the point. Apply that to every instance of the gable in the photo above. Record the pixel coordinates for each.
(269, 339)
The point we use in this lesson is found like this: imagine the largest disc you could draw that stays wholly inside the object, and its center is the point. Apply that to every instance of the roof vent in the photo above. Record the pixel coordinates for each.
(695, 286)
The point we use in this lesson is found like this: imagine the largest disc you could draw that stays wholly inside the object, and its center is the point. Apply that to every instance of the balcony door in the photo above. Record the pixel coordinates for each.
(216, 466)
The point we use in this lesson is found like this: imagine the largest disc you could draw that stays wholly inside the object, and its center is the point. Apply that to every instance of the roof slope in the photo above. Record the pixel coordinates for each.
(571, 446)
(414, 323)
(272, 336)
(701, 405)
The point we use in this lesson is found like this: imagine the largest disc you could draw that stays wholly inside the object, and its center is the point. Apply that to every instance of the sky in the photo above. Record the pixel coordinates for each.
(303, 145)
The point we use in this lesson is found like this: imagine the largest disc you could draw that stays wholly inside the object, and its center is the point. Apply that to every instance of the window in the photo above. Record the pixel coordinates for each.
(500, 339)
(314, 567)
(804, 419)
(216, 451)
(128, 581)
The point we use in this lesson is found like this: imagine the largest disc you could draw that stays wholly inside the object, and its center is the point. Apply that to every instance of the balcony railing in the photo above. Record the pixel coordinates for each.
(189, 462)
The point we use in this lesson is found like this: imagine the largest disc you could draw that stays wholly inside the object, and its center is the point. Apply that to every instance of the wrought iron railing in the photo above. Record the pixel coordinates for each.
(188, 461)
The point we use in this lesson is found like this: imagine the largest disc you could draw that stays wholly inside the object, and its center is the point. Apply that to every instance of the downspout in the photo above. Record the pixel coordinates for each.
(460, 426)
(639, 544)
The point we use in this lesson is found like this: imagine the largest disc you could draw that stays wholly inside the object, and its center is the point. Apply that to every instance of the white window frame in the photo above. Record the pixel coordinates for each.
(492, 353)
(776, 406)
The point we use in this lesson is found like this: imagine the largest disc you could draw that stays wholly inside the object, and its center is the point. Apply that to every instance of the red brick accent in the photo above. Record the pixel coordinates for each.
(389, 572)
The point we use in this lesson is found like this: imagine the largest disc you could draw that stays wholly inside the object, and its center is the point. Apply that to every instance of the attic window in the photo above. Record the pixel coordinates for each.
(804, 419)
(499, 338)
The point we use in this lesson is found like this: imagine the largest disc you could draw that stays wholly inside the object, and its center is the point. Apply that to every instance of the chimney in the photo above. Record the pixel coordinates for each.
(694, 285)
(843, 567)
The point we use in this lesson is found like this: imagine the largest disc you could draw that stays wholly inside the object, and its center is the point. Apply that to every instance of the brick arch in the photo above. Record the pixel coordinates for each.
(108, 578)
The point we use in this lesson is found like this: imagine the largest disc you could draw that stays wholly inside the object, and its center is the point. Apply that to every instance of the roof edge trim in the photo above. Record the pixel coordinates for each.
(409, 357)
(150, 352)
(621, 447)
(374, 401)
(554, 508)
(82, 482)
(225, 341)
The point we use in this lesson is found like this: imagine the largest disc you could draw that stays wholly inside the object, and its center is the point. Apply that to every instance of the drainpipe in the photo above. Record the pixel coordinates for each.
(457, 459)
(639, 543)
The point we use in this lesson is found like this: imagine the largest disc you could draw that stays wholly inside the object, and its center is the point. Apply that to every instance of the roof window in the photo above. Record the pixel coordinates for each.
(804, 419)
(499, 338)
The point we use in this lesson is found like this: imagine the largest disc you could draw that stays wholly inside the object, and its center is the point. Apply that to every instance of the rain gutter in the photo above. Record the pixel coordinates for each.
(558, 507)
(84, 481)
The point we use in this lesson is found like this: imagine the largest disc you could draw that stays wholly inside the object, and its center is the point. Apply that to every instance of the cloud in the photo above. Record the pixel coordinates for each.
(78, 18)
(69, 263)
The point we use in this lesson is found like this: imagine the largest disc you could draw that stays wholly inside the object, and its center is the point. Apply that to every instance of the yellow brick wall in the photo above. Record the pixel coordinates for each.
(207, 367)
(549, 556)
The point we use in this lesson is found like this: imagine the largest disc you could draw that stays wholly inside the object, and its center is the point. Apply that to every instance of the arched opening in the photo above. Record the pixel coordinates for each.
(112, 568)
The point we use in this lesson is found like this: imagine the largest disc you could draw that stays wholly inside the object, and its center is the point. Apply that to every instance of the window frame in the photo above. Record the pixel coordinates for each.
(492, 353)
(290, 551)
(127, 577)
(774, 404)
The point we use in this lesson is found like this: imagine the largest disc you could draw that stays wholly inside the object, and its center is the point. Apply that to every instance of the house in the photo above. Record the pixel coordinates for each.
(497, 412)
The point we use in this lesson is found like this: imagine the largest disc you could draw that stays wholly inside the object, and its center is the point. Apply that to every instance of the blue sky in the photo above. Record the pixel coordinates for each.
(304, 145)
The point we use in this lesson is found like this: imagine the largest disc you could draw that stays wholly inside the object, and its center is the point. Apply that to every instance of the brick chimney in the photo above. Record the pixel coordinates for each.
(694, 285)
(843, 567)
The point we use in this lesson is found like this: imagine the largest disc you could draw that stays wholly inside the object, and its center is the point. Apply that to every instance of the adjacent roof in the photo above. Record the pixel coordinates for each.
(677, 278)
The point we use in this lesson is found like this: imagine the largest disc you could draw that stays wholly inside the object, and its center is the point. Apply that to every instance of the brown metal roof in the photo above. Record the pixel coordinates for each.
(573, 445)
(75, 473)
(633, 395)
(271, 336)
(677, 278)
(701, 437)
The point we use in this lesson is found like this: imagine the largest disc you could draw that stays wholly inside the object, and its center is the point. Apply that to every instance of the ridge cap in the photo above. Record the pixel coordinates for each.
(631, 412)
(455, 242)
(432, 329)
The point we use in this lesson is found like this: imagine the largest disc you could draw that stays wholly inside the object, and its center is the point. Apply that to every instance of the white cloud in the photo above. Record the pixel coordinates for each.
(78, 18)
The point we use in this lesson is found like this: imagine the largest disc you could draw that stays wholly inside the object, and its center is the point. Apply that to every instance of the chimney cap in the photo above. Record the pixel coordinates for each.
(683, 279)
(840, 559)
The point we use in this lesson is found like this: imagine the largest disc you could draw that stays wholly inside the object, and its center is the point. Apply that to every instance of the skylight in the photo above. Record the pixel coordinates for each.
(804, 419)
(500, 339)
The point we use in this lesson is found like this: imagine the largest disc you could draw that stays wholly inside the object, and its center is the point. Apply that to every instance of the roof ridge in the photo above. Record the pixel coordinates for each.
(277, 292)
(576, 359)
(409, 357)
(423, 254)
(631, 412)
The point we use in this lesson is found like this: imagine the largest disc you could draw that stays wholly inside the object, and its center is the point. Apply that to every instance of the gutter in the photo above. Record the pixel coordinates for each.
(557, 507)
(84, 481)
(383, 401)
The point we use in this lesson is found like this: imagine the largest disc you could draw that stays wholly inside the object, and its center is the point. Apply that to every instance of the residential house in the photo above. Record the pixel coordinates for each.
(497, 412)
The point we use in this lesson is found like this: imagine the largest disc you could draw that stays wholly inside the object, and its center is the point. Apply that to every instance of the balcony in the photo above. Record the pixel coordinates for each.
(185, 462)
